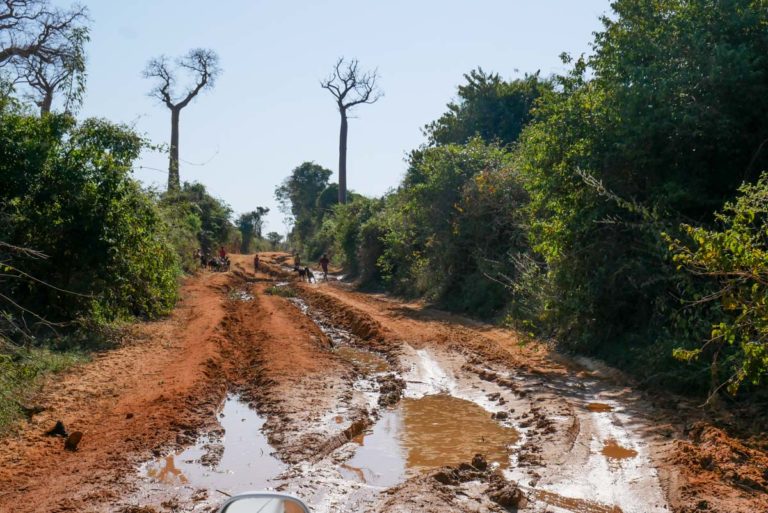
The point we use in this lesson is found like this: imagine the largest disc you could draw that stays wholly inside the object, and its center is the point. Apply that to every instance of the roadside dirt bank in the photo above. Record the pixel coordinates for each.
(159, 389)
(360, 402)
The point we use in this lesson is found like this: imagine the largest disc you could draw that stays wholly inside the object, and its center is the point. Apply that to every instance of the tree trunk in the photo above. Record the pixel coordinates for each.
(45, 103)
(173, 161)
(714, 381)
(343, 158)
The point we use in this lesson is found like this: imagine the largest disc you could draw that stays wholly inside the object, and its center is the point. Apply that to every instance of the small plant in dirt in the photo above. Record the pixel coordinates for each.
(280, 291)
(20, 370)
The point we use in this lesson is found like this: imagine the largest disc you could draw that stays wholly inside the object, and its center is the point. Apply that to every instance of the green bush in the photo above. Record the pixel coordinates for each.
(735, 259)
(184, 228)
(340, 234)
(437, 234)
(213, 226)
(490, 108)
(69, 194)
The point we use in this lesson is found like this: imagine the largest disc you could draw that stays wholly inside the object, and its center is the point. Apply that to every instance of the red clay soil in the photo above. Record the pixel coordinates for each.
(281, 362)
(162, 388)
(705, 469)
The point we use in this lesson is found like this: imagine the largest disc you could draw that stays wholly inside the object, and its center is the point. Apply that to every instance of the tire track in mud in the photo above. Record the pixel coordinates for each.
(557, 430)
(155, 391)
(317, 406)
(257, 331)
(539, 418)
(277, 361)
(378, 338)
(285, 370)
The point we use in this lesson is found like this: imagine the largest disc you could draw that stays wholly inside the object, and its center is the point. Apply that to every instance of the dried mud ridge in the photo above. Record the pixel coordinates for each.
(333, 374)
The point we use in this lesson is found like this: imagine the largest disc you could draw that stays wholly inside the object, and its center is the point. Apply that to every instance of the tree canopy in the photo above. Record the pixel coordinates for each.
(488, 107)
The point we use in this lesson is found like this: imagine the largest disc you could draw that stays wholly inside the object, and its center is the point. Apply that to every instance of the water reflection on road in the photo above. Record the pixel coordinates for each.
(429, 432)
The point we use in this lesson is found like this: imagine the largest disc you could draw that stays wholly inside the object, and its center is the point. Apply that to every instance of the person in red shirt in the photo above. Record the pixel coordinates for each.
(222, 253)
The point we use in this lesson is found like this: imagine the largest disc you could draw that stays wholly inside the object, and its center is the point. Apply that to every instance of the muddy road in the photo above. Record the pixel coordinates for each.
(361, 403)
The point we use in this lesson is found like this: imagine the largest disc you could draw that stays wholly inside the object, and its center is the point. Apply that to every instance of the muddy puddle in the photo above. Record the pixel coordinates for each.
(237, 460)
(368, 361)
(612, 450)
(599, 407)
(425, 433)
(443, 419)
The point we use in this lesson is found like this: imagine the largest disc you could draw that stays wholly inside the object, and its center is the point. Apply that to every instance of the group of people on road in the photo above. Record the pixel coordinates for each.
(324, 262)
(223, 257)
(218, 263)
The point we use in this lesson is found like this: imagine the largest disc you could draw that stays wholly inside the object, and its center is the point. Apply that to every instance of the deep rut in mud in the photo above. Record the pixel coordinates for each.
(361, 402)
(403, 424)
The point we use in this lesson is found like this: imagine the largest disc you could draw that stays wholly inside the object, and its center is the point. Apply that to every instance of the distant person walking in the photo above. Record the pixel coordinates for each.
(222, 253)
(256, 262)
(297, 261)
(324, 261)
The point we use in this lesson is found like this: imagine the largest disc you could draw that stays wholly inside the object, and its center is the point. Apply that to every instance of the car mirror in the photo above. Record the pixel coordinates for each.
(263, 502)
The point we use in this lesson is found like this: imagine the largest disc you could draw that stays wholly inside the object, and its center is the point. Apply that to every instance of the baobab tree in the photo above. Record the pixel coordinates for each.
(203, 66)
(62, 72)
(350, 87)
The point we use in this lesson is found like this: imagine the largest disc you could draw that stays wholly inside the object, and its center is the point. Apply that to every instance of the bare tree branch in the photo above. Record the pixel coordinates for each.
(347, 80)
(203, 65)
(34, 28)
(158, 68)
(63, 73)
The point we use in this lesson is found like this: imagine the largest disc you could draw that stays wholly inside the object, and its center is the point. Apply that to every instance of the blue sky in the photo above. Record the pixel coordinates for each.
(267, 113)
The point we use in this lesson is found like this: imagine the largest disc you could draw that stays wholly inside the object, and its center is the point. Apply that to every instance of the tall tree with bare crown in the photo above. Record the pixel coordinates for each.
(350, 86)
(203, 66)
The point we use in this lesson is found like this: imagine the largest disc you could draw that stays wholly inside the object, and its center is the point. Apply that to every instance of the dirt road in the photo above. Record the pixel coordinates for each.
(359, 402)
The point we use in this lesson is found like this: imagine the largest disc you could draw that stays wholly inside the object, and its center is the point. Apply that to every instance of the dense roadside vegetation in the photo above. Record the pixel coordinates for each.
(617, 209)
(84, 248)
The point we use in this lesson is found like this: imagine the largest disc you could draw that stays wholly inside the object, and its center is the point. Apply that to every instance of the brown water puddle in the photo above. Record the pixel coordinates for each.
(368, 361)
(572, 504)
(613, 450)
(426, 433)
(599, 407)
(166, 472)
(245, 462)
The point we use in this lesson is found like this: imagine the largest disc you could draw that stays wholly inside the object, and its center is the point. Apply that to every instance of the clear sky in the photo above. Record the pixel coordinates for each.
(267, 113)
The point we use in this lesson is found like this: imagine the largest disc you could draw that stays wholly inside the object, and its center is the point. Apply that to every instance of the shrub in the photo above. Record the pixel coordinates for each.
(70, 196)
